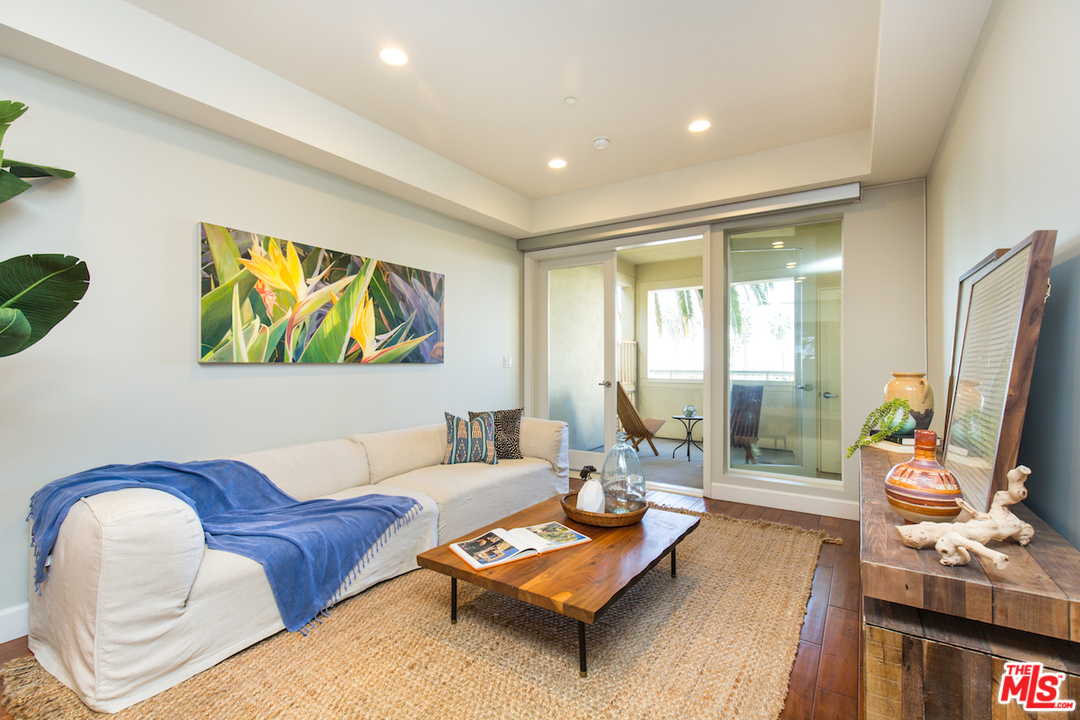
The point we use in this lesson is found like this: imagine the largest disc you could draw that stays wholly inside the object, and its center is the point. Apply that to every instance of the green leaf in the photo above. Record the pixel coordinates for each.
(331, 339)
(10, 111)
(257, 344)
(273, 337)
(10, 186)
(216, 308)
(222, 353)
(310, 264)
(29, 170)
(14, 331)
(239, 344)
(223, 251)
(393, 354)
(388, 313)
(399, 332)
(46, 288)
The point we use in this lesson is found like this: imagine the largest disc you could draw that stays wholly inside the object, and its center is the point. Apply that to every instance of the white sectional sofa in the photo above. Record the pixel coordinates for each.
(134, 602)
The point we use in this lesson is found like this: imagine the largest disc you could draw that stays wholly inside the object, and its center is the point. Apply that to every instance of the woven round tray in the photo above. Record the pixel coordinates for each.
(569, 504)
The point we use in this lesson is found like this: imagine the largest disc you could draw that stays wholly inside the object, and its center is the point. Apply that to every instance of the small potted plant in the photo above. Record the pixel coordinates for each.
(890, 418)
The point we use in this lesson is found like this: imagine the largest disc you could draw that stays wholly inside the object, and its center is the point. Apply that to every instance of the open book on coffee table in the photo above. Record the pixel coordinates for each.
(499, 546)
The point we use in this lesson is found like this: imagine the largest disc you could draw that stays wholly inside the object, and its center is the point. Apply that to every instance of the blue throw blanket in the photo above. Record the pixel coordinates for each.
(308, 549)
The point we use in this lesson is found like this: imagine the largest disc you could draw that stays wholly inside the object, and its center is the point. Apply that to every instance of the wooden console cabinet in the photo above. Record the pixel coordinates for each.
(935, 639)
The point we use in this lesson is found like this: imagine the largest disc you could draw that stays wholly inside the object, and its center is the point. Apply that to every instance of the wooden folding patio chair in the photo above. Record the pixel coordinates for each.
(637, 428)
(745, 417)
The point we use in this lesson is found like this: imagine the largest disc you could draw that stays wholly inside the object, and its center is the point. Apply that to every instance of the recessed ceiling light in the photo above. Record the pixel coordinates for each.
(557, 163)
(778, 244)
(393, 56)
(796, 282)
(570, 100)
(699, 125)
(801, 278)
(791, 264)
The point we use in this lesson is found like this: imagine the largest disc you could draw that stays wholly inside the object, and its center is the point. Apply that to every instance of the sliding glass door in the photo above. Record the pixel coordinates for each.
(784, 350)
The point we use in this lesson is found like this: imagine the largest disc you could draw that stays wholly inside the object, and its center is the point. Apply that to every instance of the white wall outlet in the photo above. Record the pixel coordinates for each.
(507, 362)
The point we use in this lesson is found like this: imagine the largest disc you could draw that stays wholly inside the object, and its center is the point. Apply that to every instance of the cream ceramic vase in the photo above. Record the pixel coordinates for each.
(919, 394)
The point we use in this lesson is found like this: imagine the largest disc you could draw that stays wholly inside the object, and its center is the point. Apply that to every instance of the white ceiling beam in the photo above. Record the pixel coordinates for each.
(818, 163)
(122, 50)
(924, 49)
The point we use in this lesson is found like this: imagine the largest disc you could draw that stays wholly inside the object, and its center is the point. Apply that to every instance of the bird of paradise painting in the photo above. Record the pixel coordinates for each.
(265, 300)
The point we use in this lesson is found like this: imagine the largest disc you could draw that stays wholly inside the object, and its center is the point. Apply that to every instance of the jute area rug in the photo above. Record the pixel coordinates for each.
(718, 641)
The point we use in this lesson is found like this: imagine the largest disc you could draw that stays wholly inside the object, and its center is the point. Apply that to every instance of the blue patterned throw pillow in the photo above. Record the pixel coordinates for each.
(470, 440)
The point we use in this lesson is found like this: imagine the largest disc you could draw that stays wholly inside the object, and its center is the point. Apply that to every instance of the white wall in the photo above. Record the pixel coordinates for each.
(118, 380)
(1007, 166)
(882, 328)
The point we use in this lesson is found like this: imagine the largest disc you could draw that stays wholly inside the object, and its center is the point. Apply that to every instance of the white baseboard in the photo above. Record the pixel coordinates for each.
(674, 489)
(781, 500)
(14, 622)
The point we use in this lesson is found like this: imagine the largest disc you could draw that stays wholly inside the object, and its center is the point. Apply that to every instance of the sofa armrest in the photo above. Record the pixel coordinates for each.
(120, 574)
(548, 440)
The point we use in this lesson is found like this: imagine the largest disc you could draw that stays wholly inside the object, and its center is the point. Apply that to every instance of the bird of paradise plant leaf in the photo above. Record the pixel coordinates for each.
(264, 300)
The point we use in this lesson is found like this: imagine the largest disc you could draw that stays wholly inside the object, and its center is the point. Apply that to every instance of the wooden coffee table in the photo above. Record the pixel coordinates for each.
(580, 582)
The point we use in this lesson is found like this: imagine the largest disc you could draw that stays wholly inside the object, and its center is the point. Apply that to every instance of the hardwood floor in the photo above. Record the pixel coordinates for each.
(10, 651)
(825, 679)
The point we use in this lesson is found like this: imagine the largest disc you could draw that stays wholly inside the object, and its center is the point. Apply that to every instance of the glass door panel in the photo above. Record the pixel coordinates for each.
(784, 350)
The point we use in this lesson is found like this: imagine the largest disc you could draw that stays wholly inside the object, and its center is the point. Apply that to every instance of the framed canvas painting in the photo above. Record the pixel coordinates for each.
(267, 300)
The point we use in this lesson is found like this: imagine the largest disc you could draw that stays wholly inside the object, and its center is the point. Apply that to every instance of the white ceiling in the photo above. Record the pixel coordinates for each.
(486, 81)
(801, 94)
(662, 252)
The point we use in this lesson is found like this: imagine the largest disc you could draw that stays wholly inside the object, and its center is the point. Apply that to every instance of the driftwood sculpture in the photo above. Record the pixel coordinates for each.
(956, 542)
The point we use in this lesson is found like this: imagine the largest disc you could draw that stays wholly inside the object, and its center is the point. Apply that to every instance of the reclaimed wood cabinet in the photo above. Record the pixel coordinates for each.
(935, 639)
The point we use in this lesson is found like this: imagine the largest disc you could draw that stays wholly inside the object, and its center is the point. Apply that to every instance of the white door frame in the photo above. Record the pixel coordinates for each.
(536, 341)
(535, 353)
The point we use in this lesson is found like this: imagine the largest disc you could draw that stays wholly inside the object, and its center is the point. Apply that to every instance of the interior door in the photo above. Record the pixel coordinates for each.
(575, 323)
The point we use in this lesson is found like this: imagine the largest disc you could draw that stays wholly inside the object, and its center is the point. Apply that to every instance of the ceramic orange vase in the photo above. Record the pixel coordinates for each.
(920, 489)
(919, 393)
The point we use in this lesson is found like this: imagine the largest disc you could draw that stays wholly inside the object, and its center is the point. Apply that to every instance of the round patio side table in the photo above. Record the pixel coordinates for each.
(688, 422)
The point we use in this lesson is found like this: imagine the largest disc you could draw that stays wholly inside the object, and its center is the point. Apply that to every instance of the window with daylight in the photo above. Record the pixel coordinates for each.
(676, 334)
(762, 336)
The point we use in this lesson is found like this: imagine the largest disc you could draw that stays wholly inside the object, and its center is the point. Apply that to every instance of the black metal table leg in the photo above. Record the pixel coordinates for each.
(673, 561)
(677, 449)
(581, 646)
(453, 601)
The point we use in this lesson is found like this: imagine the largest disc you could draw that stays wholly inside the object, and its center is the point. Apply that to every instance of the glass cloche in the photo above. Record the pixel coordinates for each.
(622, 478)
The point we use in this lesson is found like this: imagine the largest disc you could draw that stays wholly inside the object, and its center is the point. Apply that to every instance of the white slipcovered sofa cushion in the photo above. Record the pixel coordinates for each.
(313, 470)
(471, 495)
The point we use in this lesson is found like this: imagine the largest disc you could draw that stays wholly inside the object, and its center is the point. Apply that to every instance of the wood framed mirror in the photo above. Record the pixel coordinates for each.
(992, 360)
(964, 296)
